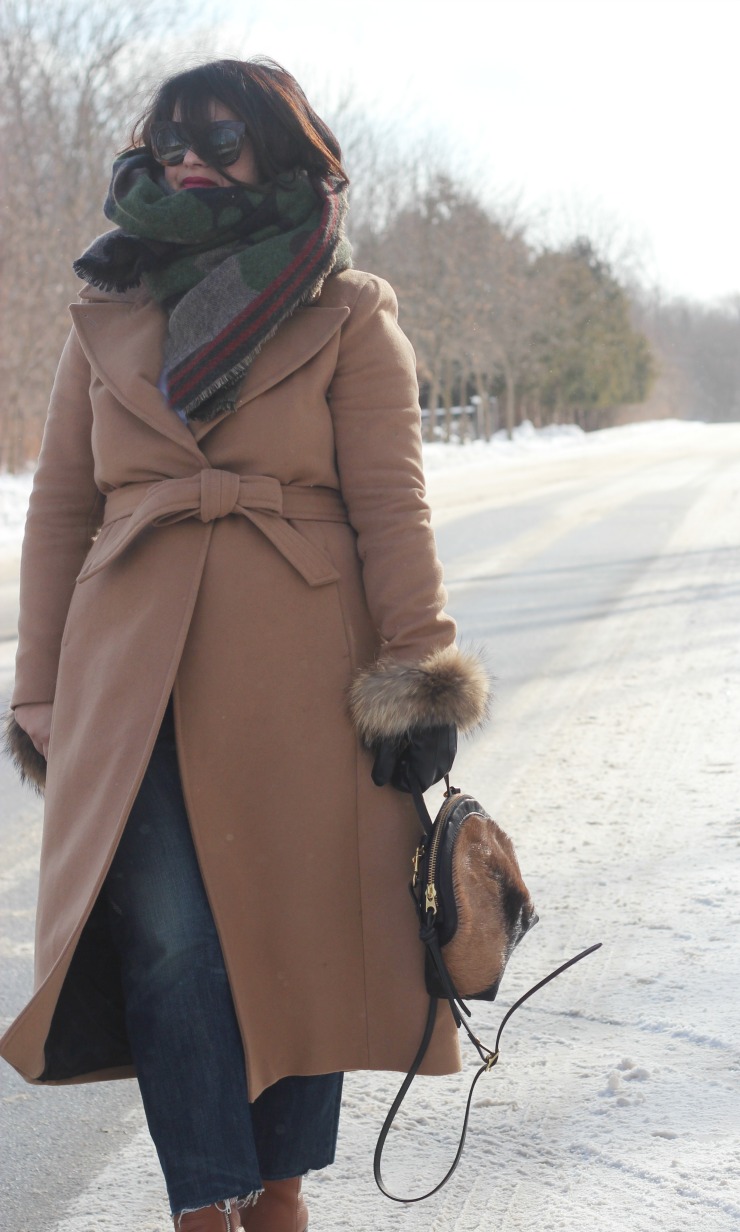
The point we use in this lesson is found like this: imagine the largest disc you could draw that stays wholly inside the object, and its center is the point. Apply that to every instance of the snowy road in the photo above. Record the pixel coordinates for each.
(603, 579)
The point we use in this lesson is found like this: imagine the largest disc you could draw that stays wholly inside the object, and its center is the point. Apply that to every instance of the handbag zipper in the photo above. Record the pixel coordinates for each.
(430, 893)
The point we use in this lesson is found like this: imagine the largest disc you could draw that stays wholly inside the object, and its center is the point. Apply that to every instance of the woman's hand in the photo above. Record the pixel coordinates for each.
(35, 719)
(428, 751)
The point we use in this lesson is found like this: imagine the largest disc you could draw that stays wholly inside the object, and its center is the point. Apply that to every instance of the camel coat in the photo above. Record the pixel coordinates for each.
(259, 567)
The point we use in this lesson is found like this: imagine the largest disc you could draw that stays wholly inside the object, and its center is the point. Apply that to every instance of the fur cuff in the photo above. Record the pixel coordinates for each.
(390, 698)
(24, 755)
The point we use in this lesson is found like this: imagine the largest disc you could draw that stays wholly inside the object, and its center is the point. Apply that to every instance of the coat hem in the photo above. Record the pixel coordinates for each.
(121, 1072)
(113, 1074)
(72, 943)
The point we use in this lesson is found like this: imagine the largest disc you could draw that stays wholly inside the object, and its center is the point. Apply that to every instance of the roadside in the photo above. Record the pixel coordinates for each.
(605, 583)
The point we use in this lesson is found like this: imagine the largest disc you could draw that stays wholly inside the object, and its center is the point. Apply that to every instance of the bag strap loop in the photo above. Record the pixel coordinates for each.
(489, 1056)
(460, 1011)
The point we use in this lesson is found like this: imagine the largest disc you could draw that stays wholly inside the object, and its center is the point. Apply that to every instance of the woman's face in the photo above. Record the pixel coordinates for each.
(193, 172)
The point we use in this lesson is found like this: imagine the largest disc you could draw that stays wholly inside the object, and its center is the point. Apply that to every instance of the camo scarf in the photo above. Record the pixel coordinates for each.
(228, 266)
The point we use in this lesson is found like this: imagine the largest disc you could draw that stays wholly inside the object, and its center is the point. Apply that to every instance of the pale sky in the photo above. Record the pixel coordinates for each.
(619, 116)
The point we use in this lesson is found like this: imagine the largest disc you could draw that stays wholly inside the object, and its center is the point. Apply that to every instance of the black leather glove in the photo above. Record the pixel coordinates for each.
(428, 751)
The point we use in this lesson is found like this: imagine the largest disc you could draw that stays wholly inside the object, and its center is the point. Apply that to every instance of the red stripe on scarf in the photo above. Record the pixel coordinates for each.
(180, 386)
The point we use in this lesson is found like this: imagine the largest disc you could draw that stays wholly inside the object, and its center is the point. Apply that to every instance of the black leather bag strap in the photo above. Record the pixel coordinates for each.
(490, 1059)
(418, 797)
(431, 1017)
(390, 1118)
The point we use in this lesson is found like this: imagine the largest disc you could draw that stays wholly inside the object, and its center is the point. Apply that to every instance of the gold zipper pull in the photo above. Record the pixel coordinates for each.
(430, 898)
(416, 861)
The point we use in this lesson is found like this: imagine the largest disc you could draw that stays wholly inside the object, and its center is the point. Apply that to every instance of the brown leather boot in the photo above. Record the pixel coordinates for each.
(281, 1208)
(219, 1217)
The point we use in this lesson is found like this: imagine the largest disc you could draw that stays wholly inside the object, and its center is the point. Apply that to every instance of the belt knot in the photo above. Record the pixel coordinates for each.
(219, 494)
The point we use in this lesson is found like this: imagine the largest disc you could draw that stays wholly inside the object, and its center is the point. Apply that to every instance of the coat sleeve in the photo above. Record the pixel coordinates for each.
(421, 678)
(64, 513)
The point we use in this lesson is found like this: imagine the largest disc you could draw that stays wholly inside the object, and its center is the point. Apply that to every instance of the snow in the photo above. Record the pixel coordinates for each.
(14, 493)
(615, 1103)
(440, 458)
(529, 442)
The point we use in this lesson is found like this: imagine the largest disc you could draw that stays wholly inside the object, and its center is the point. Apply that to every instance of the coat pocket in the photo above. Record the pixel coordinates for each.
(338, 540)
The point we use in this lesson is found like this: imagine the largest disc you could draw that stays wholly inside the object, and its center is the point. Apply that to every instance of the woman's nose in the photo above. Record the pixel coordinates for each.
(192, 159)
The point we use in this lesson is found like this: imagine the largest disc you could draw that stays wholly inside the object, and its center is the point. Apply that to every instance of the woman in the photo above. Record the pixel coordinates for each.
(231, 598)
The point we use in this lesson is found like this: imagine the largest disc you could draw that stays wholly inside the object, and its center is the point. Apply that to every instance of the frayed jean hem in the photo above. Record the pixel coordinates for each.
(225, 1204)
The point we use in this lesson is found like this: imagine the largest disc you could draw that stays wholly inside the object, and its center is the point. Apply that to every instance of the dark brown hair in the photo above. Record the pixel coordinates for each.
(281, 124)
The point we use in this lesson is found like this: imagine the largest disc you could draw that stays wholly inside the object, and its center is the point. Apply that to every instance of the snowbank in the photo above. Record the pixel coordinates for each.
(529, 442)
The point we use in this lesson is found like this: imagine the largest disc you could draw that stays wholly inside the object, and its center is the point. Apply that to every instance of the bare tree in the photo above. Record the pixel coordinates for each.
(463, 282)
(72, 77)
(374, 155)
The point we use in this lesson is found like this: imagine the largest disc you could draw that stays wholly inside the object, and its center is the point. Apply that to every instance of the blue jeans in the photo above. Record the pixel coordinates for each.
(211, 1141)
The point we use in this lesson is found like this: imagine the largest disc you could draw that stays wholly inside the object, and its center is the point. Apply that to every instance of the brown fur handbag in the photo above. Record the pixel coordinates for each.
(473, 908)
(473, 905)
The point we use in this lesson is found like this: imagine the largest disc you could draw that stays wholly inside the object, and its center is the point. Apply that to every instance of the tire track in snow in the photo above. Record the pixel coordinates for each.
(635, 756)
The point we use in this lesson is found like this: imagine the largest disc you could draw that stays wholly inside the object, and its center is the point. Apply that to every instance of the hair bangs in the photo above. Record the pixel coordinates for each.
(284, 130)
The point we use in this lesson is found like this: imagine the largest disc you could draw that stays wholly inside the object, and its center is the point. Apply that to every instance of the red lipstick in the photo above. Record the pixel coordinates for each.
(197, 181)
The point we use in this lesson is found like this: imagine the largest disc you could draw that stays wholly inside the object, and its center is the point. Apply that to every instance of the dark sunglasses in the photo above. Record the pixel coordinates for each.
(219, 144)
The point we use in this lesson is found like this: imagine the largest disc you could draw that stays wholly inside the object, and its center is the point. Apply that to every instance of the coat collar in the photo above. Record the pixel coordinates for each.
(123, 336)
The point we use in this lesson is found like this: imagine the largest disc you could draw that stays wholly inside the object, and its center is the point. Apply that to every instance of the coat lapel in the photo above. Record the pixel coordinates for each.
(123, 338)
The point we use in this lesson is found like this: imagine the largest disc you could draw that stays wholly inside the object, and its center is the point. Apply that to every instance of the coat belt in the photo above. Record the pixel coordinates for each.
(210, 494)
